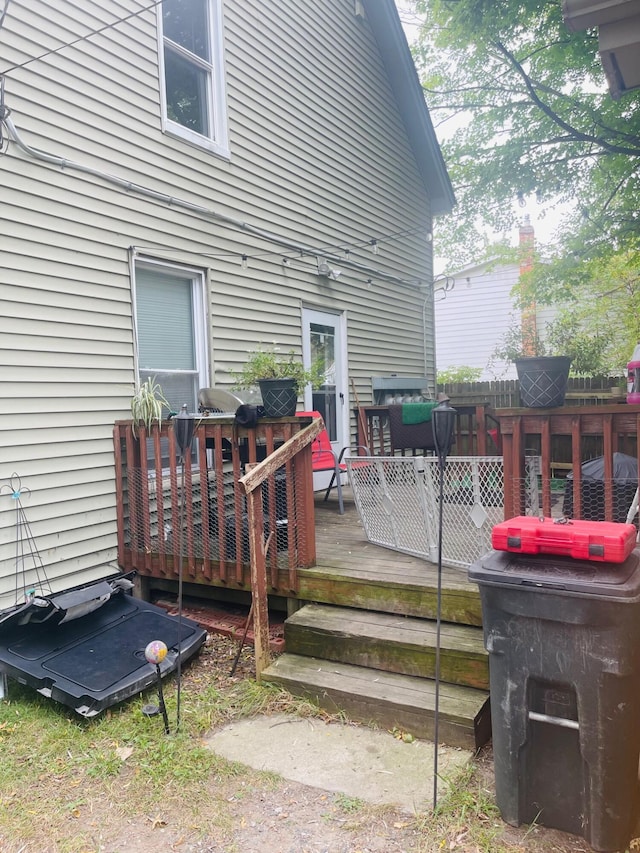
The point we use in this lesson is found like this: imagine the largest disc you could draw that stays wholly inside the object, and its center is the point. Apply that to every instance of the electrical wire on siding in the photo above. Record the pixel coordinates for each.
(86, 36)
(4, 113)
(3, 14)
(200, 210)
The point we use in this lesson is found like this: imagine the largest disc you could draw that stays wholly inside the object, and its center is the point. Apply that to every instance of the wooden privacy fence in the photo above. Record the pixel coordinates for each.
(196, 517)
(505, 394)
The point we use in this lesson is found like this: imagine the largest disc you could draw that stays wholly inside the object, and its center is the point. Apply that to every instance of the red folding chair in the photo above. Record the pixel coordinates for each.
(323, 458)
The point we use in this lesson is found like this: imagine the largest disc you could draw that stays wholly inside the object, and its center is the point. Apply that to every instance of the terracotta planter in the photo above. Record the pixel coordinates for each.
(543, 380)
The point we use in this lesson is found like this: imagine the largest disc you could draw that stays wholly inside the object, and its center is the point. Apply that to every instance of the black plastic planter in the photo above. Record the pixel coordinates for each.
(279, 397)
(543, 380)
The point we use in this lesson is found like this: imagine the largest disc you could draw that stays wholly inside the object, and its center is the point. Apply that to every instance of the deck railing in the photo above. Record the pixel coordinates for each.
(257, 485)
(196, 516)
(547, 448)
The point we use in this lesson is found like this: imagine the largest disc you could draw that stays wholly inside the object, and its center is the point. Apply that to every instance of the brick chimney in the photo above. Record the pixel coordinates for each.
(528, 321)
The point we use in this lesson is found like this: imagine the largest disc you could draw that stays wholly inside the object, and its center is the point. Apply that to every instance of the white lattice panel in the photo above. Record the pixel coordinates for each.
(397, 499)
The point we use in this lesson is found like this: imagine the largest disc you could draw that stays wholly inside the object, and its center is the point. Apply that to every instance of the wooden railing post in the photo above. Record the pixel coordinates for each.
(259, 600)
(251, 485)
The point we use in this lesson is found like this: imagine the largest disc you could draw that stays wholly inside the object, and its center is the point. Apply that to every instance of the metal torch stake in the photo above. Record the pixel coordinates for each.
(161, 705)
(443, 418)
(183, 425)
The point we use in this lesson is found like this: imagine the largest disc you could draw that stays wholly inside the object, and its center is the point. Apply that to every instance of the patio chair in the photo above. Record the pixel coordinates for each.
(323, 458)
(414, 437)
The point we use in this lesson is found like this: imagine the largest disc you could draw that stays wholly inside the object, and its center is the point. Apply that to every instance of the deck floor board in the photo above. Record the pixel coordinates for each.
(351, 571)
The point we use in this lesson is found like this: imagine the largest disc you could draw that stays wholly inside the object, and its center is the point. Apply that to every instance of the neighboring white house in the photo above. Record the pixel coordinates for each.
(174, 176)
(474, 308)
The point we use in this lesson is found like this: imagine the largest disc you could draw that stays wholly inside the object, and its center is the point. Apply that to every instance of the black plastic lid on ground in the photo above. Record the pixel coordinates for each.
(544, 571)
(96, 660)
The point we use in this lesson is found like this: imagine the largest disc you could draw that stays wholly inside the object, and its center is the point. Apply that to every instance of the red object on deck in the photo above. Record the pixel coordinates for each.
(602, 541)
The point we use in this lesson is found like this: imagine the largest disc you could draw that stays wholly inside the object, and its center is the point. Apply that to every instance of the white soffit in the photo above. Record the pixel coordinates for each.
(582, 14)
(619, 48)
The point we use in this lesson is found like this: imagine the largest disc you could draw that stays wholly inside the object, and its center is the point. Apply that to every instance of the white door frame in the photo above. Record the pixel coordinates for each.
(338, 320)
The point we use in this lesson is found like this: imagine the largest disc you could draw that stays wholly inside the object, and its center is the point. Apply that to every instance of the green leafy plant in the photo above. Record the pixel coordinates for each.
(563, 336)
(269, 364)
(463, 373)
(147, 403)
(518, 342)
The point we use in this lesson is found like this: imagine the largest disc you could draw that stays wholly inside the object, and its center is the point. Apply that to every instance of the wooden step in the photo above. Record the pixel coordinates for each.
(393, 583)
(387, 699)
(392, 643)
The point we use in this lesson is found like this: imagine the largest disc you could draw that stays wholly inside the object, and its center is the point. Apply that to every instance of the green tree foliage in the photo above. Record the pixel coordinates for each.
(534, 119)
(600, 315)
(463, 373)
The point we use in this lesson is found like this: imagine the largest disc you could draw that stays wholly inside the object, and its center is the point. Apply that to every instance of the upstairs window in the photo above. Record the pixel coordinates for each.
(191, 63)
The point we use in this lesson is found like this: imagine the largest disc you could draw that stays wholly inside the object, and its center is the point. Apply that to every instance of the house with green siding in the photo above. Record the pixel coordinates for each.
(182, 182)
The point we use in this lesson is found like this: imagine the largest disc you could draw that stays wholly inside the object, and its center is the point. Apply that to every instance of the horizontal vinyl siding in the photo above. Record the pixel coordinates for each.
(319, 156)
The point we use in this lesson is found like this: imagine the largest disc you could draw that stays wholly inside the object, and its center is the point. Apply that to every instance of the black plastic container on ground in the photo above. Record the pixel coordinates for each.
(563, 638)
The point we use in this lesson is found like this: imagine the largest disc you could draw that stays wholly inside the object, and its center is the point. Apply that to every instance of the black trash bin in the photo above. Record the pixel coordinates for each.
(563, 638)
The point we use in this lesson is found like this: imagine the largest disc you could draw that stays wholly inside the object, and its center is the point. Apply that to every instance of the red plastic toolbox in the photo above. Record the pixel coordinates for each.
(604, 541)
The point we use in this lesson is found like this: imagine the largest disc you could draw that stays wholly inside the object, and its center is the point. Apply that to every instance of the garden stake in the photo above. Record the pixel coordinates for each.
(26, 548)
(443, 422)
(155, 653)
(183, 425)
(242, 641)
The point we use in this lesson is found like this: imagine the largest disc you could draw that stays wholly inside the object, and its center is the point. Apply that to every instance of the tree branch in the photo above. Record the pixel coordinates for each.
(550, 113)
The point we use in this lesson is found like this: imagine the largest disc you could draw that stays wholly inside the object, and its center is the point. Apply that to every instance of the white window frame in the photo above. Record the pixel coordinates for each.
(216, 139)
(198, 281)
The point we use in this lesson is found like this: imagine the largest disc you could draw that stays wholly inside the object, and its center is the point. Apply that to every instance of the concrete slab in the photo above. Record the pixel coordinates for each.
(373, 766)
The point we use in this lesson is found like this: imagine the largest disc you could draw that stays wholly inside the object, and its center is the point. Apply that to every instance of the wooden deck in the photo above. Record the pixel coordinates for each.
(363, 640)
(353, 572)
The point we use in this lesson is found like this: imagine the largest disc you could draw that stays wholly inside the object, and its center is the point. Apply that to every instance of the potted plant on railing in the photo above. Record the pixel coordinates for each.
(281, 379)
(147, 403)
(542, 375)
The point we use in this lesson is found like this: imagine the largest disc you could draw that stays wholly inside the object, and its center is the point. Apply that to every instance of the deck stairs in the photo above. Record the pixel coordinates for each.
(363, 642)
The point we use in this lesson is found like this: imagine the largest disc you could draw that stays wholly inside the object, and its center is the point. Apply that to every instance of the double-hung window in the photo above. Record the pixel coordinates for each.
(192, 68)
(170, 330)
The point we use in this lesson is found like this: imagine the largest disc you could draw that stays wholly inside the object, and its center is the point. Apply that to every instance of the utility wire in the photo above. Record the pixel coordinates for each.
(4, 12)
(336, 247)
(88, 35)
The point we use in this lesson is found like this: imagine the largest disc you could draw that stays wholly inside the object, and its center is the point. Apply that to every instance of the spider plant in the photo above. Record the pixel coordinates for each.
(147, 403)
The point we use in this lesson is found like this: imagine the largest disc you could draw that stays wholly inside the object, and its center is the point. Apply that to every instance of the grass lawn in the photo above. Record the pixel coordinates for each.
(118, 783)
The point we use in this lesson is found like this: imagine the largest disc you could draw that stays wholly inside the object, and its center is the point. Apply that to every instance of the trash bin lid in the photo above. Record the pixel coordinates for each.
(503, 568)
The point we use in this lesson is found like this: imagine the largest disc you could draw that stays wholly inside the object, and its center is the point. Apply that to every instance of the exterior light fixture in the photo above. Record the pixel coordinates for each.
(327, 271)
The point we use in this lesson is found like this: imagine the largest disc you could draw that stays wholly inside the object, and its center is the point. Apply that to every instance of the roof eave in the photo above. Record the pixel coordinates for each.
(387, 28)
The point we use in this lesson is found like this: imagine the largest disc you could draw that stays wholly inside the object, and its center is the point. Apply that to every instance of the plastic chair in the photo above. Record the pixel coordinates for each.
(323, 458)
